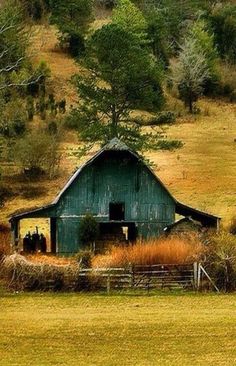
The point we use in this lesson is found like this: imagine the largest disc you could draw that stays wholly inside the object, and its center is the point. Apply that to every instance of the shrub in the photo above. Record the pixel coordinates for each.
(165, 117)
(221, 260)
(38, 153)
(154, 251)
(13, 119)
(88, 230)
(84, 258)
(168, 144)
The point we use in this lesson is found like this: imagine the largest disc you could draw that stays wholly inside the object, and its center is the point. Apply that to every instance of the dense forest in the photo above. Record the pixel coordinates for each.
(149, 72)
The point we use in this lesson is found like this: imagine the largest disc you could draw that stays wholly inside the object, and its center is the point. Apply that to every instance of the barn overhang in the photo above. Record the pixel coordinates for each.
(206, 219)
(44, 211)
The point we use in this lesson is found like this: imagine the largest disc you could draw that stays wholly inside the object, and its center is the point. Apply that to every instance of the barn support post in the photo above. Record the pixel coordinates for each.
(53, 234)
(15, 230)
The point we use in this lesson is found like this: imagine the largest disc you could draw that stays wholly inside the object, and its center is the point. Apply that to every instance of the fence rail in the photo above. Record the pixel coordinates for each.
(188, 277)
(172, 276)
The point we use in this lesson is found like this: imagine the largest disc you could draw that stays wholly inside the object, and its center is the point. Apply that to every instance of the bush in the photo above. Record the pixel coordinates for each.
(84, 258)
(221, 260)
(166, 117)
(38, 153)
(168, 144)
(88, 230)
(13, 119)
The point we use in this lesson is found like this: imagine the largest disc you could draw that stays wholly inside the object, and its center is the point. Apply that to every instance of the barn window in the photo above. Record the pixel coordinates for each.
(117, 211)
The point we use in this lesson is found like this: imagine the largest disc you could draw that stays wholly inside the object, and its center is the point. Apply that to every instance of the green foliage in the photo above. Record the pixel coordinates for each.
(122, 76)
(72, 18)
(128, 17)
(204, 43)
(165, 117)
(223, 23)
(88, 230)
(174, 16)
(158, 35)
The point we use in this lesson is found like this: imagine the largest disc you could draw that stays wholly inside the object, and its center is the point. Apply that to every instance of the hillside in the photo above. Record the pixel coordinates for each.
(201, 174)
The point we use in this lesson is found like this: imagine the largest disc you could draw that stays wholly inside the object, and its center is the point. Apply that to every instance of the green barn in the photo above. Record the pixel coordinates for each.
(121, 192)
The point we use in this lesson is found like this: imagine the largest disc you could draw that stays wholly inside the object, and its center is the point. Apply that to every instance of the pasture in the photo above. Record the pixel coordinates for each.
(122, 329)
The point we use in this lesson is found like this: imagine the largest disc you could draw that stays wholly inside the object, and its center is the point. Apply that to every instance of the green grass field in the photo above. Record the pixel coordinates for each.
(88, 329)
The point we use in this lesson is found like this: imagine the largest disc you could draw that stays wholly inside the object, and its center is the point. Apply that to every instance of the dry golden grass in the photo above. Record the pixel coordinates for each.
(49, 259)
(202, 173)
(5, 240)
(84, 329)
(171, 250)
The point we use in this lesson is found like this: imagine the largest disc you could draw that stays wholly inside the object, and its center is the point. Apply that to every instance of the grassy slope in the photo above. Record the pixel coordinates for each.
(49, 329)
(201, 174)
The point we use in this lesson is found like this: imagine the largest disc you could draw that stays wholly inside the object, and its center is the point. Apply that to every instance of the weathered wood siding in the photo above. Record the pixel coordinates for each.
(113, 177)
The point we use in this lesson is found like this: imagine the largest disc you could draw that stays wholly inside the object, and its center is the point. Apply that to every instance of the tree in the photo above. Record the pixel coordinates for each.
(189, 72)
(205, 43)
(72, 18)
(127, 16)
(38, 153)
(158, 34)
(15, 69)
(223, 23)
(120, 76)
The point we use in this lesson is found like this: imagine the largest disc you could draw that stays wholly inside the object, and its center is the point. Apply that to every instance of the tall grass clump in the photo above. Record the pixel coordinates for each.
(221, 260)
(171, 250)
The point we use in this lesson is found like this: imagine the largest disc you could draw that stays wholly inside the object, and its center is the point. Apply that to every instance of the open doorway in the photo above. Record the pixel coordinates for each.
(116, 211)
(37, 235)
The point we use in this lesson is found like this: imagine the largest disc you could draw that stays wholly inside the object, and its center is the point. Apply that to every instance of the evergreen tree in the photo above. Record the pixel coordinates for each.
(122, 76)
(72, 18)
(127, 16)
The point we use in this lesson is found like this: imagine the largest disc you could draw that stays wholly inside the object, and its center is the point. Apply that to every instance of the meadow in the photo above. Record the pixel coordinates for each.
(121, 329)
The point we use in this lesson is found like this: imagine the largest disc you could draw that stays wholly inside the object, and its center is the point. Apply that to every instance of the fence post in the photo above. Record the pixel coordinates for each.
(131, 271)
(199, 276)
(195, 276)
(108, 282)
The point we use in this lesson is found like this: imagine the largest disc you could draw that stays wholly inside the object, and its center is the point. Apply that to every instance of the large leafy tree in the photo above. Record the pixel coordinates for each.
(120, 76)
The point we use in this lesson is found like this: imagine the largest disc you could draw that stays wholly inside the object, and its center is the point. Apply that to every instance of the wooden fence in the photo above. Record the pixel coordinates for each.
(171, 276)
